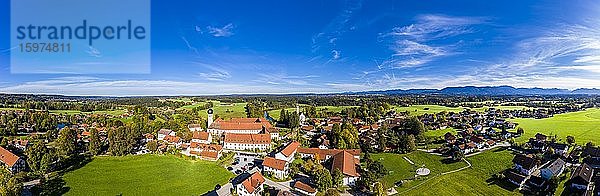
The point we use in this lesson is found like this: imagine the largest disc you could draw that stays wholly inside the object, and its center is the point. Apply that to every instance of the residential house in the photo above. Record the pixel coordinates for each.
(525, 164)
(288, 153)
(251, 186)
(165, 132)
(205, 151)
(274, 132)
(346, 163)
(554, 169)
(148, 137)
(276, 167)
(581, 177)
(540, 137)
(322, 155)
(450, 138)
(201, 137)
(560, 149)
(304, 189)
(479, 142)
(234, 141)
(173, 140)
(515, 178)
(11, 161)
(20, 144)
(195, 127)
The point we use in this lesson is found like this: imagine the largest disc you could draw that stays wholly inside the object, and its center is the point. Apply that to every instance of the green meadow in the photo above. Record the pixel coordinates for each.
(583, 125)
(145, 175)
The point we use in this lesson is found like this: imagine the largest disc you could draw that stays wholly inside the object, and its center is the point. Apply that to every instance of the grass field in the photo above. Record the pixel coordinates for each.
(432, 109)
(583, 125)
(471, 181)
(145, 175)
(400, 169)
(227, 110)
(475, 180)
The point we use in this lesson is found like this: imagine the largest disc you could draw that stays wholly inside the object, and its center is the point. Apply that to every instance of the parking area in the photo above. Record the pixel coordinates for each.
(243, 162)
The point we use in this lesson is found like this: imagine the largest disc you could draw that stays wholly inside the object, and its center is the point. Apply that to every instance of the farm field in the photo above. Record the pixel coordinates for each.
(227, 110)
(144, 175)
(400, 169)
(583, 125)
(427, 109)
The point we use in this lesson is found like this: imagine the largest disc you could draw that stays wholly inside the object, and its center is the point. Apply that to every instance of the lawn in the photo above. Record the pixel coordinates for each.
(583, 125)
(145, 175)
(400, 169)
(472, 181)
(441, 132)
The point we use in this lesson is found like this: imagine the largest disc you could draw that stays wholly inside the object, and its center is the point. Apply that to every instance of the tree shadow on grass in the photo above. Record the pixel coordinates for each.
(73, 163)
(53, 186)
(502, 183)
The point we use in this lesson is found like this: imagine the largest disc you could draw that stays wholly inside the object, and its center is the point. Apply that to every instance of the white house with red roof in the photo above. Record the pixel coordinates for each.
(165, 132)
(288, 153)
(12, 162)
(202, 137)
(251, 186)
(276, 167)
(239, 126)
(346, 163)
(234, 141)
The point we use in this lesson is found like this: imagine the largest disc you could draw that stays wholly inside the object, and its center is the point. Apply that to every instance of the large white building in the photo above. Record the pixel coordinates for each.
(239, 126)
(235, 141)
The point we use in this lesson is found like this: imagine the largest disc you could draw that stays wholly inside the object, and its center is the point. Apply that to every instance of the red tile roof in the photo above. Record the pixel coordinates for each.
(346, 163)
(248, 138)
(201, 135)
(211, 147)
(172, 139)
(290, 148)
(274, 163)
(241, 124)
(322, 153)
(8, 157)
(253, 182)
(305, 187)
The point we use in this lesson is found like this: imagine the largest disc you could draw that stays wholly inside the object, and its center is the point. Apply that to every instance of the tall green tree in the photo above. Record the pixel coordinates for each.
(95, 145)
(67, 141)
(323, 179)
(337, 177)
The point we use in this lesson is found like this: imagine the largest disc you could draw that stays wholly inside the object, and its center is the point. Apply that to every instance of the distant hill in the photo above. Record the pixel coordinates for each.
(487, 90)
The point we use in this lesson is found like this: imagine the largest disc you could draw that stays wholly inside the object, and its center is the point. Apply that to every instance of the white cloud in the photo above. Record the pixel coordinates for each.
(215, 76)
(335, 54)
(411, 43)
(94, 52)
(224, 31)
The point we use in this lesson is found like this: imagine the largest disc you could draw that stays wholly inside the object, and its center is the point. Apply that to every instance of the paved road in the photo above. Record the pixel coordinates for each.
(284, 186)
(224, 191)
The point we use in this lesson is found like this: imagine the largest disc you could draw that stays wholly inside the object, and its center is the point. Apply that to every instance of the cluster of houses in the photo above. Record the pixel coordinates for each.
(534, 172)
(469, 140)
(11, 161)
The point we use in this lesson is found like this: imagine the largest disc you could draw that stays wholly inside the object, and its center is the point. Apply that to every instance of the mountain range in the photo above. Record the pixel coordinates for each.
(487, 90)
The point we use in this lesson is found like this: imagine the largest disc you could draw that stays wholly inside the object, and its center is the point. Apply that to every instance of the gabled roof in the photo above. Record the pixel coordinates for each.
(556, 166)
(274, 163)
(253, 182)
(449, 136)
(524, 161)
(477, 140)
(592, 151)
(515, 177)
(248, 138)
(201, 135)
(290, 148)
(322, 153)
(241, 124)
(583, 174)
(305, 187)
(8, 157)
(164, 131)
(346, 163)
(172, 139)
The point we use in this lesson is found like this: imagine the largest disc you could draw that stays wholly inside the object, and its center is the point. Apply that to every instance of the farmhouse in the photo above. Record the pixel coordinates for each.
(560, 149)
(277, 168)
(234, 141)
(251, 186)
(515, 178)
(581, 177)
(195, 127)
(449, 138)
(346, 163)
(305, 189)
(205, 151)
(525, 164)
(287, 154)
(12, 162)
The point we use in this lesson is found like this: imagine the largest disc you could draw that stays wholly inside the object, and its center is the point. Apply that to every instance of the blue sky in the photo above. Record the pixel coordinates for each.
(226, 47)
